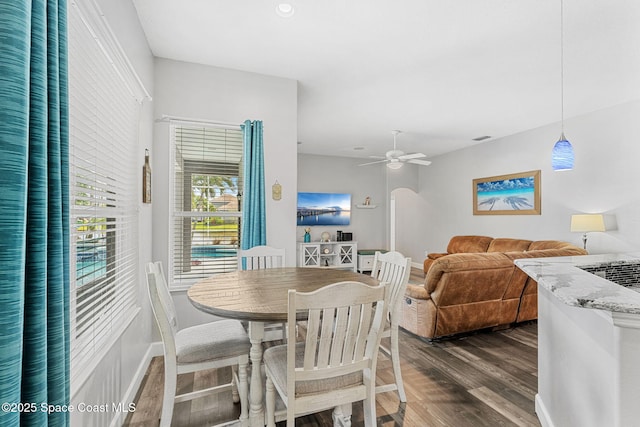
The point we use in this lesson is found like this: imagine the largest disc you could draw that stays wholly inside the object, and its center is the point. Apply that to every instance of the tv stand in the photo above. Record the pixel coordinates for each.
(328, 255)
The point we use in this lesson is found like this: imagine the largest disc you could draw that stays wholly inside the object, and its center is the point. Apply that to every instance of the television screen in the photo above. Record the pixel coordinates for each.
(324, 209)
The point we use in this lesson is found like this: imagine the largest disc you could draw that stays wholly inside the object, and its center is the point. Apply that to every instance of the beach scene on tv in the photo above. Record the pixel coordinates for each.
(324, 209)
(506, 195)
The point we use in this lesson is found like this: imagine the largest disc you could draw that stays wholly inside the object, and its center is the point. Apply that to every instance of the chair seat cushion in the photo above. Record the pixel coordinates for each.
(275, 359)
(210, 341)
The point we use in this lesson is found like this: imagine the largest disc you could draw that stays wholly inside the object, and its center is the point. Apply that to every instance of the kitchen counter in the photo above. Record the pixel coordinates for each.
(572, 285)
(588, 339)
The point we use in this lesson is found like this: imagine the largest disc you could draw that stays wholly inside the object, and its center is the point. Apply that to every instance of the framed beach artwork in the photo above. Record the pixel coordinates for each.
(513, 194)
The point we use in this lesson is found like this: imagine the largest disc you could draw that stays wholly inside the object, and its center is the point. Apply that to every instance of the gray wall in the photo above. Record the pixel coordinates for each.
(201, 92)
(327, 174)
(605, 180)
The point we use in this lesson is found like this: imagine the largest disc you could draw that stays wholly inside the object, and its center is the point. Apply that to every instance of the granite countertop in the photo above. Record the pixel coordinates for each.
(579, 288)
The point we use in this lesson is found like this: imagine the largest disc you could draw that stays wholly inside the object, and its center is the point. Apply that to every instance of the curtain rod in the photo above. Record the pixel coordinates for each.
(167, 118)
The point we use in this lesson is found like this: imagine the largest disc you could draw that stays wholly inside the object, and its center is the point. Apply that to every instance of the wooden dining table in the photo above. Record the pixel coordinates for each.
(260, 296)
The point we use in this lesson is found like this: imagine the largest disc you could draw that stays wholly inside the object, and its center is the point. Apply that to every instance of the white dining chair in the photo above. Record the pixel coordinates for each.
(208, 346)
(394, 268)
(261, 257)
(335, 365)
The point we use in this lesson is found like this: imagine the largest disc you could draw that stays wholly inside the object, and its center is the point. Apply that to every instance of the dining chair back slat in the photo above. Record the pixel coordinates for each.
(331, 344)
(395, 268)
(344, 323)
(261, 257)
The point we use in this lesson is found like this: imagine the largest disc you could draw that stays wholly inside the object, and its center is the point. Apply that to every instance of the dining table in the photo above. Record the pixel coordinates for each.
(259, 296)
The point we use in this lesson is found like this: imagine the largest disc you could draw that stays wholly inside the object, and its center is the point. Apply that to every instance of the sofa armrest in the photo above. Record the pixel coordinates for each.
(417, 292)
(430, 258)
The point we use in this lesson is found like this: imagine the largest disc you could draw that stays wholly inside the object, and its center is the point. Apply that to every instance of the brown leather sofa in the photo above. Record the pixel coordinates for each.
(476, 285)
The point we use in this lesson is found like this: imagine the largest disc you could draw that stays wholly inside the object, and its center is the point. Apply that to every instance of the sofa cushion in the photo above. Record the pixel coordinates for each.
(463, 278)
(508, 245)
(551, 244)
(462, 244)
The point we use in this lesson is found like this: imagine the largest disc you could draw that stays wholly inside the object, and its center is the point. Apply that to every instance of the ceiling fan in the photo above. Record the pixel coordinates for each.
(395, 158)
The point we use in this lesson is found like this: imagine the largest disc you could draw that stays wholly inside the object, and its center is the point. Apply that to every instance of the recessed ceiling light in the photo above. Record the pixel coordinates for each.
(285, 10)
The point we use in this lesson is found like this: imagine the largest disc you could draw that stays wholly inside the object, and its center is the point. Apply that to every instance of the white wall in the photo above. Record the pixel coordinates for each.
(370, 227)
(605, 180)
(114, 379)
(408, 221)
(328, 174)
(202, 92)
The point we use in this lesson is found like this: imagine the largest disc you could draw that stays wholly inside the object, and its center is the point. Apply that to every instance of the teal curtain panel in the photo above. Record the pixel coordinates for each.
(34, 213)
(253, 230)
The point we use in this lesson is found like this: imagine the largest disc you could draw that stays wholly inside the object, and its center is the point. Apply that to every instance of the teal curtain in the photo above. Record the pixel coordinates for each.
(253, 231)
(34, 213)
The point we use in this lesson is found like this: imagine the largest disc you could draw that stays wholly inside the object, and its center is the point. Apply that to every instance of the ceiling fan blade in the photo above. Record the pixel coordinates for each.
(377, 157)
(412, 156)
(373, 163)
(420, 162)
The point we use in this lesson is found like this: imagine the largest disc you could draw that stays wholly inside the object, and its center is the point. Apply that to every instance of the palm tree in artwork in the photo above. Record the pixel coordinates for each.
(492, 201)
(517, 203)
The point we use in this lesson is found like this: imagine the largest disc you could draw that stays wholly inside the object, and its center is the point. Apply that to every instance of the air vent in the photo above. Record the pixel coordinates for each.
(481, 138)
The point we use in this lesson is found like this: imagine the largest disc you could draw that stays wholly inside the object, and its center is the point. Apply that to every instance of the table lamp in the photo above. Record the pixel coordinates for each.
(585, 223)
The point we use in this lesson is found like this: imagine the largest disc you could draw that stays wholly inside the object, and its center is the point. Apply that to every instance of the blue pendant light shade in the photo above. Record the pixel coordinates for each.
(562, 155)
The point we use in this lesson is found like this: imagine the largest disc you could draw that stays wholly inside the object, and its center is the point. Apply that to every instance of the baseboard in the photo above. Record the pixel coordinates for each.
(543, 414)
(155, 349)
(417, 265)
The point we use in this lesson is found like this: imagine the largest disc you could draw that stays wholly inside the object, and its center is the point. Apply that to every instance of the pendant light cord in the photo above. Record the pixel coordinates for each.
(562, 68)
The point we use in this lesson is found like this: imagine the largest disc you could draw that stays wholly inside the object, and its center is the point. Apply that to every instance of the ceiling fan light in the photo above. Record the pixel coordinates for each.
(394, 165)
(285, 10)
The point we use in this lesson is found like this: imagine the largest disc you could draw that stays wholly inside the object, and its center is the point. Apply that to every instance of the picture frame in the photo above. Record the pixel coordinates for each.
(146, 178)
(512, 194)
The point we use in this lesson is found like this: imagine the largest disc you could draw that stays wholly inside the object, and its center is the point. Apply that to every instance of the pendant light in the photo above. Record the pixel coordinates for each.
(562, 154)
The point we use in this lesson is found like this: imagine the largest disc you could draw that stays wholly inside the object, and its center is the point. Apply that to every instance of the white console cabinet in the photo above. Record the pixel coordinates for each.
(328, 254)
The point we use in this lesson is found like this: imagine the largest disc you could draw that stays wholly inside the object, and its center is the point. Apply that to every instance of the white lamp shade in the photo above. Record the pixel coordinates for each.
(587, 222)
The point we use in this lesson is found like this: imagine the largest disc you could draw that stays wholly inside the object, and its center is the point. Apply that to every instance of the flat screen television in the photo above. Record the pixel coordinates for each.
(324, 209)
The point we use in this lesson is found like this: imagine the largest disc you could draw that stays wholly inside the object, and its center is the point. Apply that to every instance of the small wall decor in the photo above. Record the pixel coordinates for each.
(276, 191)
(366, 204)
(146, 178)
(513, 194)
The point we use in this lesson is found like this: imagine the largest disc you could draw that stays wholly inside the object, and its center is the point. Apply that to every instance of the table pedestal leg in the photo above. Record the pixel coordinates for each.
(256, 407)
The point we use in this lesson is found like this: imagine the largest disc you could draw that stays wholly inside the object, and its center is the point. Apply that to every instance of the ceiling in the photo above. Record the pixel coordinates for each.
(442, 72)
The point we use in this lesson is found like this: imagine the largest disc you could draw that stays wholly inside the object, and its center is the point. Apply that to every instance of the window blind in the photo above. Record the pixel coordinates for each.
(205, 220)
(103, 123)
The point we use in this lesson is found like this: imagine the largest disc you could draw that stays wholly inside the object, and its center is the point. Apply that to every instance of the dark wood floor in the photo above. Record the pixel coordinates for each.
(487, 378)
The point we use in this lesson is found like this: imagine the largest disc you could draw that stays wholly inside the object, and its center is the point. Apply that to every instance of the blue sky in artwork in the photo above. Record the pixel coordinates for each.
(526, 183)
(323, 200)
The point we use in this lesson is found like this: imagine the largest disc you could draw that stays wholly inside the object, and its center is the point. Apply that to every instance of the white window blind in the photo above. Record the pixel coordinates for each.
(104, 177)
(205, 220)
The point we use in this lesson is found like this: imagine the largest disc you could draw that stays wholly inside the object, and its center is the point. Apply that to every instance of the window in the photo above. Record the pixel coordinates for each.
(104, 178)
(205, 220)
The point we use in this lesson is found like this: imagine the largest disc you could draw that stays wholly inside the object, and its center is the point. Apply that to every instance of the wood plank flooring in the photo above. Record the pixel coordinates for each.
(487, 378)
